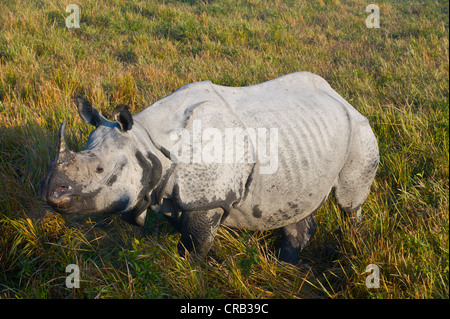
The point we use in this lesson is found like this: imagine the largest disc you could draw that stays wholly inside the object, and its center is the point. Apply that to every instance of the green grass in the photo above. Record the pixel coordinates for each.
(137, 52)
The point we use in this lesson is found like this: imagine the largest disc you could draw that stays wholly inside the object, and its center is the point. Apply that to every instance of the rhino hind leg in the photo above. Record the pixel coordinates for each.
(356, 177)
(198, 231)
(296, 236)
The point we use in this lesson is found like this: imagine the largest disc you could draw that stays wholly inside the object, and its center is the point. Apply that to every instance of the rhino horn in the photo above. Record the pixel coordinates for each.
(62, 152)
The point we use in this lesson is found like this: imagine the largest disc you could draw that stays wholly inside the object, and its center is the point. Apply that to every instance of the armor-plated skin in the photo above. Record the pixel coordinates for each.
(316, 141)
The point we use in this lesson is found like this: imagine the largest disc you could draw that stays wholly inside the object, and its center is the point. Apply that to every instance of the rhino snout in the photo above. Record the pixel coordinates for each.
(56, 191)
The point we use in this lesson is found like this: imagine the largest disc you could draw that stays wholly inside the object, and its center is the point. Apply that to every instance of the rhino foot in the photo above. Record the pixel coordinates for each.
(198, 231)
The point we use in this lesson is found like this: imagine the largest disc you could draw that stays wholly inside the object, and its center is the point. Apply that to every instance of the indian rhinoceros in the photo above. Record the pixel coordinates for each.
(260, 157)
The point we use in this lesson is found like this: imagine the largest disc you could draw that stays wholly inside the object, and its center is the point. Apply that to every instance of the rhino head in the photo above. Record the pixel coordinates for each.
(112, 174)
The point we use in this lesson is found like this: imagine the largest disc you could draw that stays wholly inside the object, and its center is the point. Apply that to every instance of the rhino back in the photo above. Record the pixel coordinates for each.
(314, 128)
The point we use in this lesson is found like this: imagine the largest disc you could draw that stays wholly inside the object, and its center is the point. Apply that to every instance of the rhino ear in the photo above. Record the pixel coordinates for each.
(123, 116)
(87, 112)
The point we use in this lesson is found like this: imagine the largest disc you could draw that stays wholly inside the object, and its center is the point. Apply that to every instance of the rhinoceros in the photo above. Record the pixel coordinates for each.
(259, 157)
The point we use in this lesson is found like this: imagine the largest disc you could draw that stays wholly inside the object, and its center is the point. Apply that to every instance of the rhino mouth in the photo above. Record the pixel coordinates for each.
(83, 205)
(64, 197)
(62, 202)
(69, 203)
(66, 200)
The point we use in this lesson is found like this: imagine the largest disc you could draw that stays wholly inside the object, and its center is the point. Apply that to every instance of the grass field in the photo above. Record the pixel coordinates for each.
(137, 52)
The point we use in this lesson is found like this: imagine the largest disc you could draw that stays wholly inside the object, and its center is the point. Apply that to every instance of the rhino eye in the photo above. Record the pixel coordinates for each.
(99, 169)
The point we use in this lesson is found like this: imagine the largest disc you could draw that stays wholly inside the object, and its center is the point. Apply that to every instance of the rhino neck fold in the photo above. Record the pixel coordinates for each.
(164, 188)
(160, 188)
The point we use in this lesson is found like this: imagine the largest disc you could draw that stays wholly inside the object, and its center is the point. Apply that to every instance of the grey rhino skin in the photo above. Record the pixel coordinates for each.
(320, 142)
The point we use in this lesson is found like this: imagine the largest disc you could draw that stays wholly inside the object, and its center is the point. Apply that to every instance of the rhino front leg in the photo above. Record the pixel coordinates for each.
(199, 230)
(296, 236)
